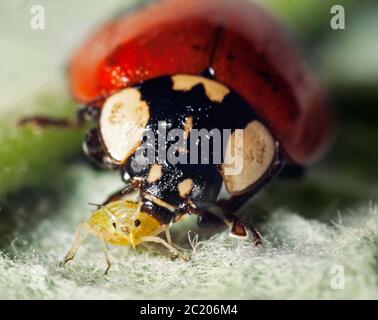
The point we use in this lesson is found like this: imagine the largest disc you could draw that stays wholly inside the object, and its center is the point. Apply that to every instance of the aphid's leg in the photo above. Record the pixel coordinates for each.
(107, 258)
(81, 234)
(169, 240)
(168, 236)
(165, 244)
(133, 184)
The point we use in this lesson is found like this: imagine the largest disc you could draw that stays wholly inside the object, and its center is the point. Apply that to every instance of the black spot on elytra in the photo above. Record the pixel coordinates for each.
(267, 77)
(230, 57)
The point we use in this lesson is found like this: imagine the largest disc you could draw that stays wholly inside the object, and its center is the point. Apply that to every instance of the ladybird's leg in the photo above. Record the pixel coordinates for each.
(237, 227)
(236, 202)
(81, 234)
(207, 219)
(292, 171)
(85, 114)
(165, 244)
(45, 122)
(131, 185)
(242, 230)
(114, 197)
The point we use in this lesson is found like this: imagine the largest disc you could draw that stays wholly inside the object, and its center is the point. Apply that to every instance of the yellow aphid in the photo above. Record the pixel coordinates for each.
(121, 223)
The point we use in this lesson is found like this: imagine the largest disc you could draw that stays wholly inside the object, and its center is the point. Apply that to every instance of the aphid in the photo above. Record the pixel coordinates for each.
(122, 223)
(214, 64)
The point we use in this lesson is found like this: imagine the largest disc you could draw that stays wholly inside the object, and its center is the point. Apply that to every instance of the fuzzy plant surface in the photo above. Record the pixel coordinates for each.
(320, 231)
(300, 257)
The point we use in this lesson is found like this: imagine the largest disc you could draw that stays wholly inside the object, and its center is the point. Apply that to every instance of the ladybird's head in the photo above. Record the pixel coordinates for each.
(122, 223)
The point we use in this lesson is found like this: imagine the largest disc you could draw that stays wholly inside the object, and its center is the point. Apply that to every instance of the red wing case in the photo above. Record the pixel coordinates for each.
(247, 49)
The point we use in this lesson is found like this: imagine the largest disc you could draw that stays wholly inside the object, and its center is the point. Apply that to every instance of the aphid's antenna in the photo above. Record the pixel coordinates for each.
(101, 206)
(95, 204)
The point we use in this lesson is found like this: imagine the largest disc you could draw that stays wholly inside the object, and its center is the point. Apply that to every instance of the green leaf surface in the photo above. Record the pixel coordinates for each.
(31, 156)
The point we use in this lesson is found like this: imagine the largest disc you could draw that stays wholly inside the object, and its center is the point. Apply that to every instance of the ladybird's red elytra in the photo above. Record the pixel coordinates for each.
(247, 49)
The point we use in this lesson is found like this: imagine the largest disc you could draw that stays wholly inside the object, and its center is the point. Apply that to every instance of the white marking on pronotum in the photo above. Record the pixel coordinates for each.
(124, 117)
(185, 187)
(214, 90)
(252, 160)
(155, 173)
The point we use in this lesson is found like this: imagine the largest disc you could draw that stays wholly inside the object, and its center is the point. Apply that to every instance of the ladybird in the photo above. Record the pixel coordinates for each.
(210, 66)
